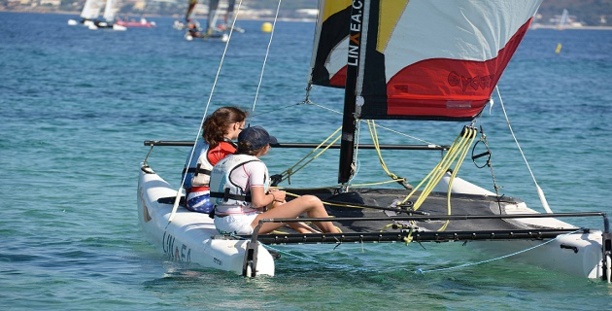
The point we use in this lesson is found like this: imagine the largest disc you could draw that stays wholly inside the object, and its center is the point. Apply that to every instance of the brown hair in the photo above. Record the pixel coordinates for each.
(216, 124)
(244, 147)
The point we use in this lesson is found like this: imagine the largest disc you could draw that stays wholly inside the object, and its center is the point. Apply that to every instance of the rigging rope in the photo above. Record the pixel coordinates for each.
(454, 174)
(539, 190)
(457, 152)
(263, 66)
(307, 101)
(179, 192)
(496, 187)
(421, 271)
(292, 170)
(374, 134)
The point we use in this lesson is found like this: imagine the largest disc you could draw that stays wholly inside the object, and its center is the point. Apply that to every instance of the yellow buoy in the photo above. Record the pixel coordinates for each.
(266, 27)
(558, 49)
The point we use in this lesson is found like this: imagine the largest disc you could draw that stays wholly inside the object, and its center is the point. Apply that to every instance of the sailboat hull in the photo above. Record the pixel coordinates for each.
(135, 24)
(191, 237)
(579, 254)
(576, 254)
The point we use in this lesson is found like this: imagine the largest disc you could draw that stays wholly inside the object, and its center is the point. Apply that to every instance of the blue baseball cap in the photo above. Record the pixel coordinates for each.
(256, 137)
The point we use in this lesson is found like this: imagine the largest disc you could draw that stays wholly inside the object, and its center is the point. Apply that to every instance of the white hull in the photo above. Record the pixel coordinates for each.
(119, 27)
(222, 37)
(579, 254)
(473, 38)
(575, 254)
(190, 237)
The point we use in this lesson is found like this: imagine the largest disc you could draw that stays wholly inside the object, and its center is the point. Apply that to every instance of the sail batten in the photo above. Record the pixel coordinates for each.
(422, 59)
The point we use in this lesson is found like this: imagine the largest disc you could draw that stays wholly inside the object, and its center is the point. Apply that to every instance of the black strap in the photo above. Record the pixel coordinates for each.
(227, 140)
(197, 170)
(170, 200)
(226, 196)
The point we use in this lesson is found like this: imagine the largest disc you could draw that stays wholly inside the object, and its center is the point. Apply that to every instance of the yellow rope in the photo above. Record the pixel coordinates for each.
(461, 143)
(461, 150)
(379, 183)
(375, 141)
(409, 238)
(456, 154)
(454, 174)
(292, 170)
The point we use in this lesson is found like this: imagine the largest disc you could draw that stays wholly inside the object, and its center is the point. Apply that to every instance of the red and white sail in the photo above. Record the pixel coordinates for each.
(419, 59)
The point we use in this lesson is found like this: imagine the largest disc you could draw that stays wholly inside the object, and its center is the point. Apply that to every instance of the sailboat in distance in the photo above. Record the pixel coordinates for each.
(409, 60)
(566, 21)
(217, 23)
(90, 16)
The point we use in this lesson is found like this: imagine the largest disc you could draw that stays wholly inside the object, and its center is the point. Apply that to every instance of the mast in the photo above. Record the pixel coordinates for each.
(347, 144)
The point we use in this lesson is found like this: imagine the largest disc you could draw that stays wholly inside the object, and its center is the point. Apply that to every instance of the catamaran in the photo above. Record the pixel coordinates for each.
(91, 13)
(216, 27)
(405, 60)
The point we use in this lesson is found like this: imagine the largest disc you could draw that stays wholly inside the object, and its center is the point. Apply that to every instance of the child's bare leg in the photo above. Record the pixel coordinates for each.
(302, 227)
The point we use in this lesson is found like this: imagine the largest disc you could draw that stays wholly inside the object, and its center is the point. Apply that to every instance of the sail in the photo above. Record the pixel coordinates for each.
(190, 8)
(92, 9)
(229, 14)
(331, 43)
(109, 11)
(419, 59)
(564, 19)
(213, 6)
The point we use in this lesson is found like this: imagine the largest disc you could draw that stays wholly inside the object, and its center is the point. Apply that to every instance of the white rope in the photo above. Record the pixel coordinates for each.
(263, 66)
(179, 192)
(539, 190)
(421, 271)
(309, 102)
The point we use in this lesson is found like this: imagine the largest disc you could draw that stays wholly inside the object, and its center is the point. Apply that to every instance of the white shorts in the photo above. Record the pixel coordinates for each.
(235, 223)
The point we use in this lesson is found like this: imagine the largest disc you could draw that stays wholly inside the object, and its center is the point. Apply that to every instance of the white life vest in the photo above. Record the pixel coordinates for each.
(198, 170)
(224, 191)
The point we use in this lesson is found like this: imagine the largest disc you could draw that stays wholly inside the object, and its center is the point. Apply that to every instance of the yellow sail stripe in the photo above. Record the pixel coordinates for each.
(390, 13)
(330, 8)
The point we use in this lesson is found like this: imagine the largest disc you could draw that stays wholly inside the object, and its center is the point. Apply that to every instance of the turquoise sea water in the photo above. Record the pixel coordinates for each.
(76, 105)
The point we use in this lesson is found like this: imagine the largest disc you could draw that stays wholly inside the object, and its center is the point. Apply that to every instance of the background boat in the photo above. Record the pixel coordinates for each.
(90, 16)
(141, 23)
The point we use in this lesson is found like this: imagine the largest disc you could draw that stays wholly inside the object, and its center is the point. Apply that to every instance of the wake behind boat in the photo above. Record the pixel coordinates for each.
(410, 60)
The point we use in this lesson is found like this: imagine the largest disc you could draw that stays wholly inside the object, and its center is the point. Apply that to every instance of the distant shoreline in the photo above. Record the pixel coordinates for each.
(555, 27)
(304, 19)
(244, 16)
